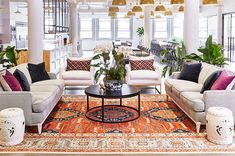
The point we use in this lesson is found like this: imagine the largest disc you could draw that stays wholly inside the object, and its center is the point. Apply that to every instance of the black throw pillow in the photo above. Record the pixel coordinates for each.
(191, 72)
(24, 83)
(38, 72)
(210, 81)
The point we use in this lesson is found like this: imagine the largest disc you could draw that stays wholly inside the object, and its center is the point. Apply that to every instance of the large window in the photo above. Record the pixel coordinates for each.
(105, 28)
(212, 27)
(160, 29)
(86, 30)
(123, 28)
(203, 27)
(178, 27)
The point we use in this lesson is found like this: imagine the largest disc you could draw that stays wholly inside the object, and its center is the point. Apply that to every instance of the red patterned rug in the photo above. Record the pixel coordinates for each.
(156, 117)
(162, 127)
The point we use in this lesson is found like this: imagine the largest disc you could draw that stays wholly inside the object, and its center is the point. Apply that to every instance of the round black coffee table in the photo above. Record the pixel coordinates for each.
(102, 113)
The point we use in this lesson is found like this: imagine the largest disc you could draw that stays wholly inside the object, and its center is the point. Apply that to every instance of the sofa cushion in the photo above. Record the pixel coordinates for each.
(182, 85)
(9, 82)
(42, 100)
(142, 64)
(206, 71)
(210, 81)
(223, 81)
(38, 72)
(24, 69)
(53, 82)
(76, 75)
(78, 65)
(144, 75)
(20, 76)
(178, 88)
(190, 72)
(44, 88)
(193, 100)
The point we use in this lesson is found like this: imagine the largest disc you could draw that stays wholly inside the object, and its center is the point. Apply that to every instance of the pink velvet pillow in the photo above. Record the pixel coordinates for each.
(223, 81)
(11, 81)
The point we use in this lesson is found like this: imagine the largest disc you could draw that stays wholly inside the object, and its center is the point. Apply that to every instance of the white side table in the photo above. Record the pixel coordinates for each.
(12, 126)
(219, 125)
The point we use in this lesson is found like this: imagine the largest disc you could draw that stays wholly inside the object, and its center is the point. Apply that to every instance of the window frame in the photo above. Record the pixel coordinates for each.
(93, 23)
(130, 29)
(98, 29)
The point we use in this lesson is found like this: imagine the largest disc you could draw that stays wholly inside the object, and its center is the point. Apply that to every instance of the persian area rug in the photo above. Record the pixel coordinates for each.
(156, 117)
(162, 127)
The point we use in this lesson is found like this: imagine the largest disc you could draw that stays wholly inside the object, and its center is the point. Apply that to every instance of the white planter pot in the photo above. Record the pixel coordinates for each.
(12, 126)
(219, 125)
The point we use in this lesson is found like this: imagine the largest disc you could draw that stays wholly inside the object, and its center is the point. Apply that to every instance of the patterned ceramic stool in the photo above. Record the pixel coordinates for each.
(219, 125)
(12, 126)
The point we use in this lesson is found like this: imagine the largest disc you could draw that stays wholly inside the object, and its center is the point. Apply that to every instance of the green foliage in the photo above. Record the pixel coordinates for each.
(211, 53)
(116, 72)
(140, 31)
(173, 59)
(8, 57)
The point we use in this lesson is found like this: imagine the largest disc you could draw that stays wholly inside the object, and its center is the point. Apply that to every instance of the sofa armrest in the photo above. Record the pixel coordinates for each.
(21, 100)
(175, 75)
(52, 75)
(219, 98)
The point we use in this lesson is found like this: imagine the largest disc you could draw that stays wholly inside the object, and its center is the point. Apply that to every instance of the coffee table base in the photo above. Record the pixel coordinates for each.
(113, 114)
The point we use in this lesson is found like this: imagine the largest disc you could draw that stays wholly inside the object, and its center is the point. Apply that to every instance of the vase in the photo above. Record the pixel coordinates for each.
(113, 85)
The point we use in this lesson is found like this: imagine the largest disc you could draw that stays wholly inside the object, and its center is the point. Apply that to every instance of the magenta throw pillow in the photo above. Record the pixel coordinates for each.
(12, 82)
(223, 81)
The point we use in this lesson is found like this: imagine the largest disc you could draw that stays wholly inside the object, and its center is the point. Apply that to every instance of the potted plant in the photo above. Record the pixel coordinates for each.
(211, 53)
(8, 57)
(140, 32)
(174, 59)
(112, 70)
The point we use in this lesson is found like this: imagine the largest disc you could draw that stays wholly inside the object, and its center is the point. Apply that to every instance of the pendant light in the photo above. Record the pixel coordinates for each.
(168, 13)
(119, 2)
(137, 8)
(112, 14)
(17, 11)
(210, 2)
(130, 13)
(158, 16)
(146, 2)
(160, 8)
(141, 16)
(177, 2)
(181, 8)
(113, 9)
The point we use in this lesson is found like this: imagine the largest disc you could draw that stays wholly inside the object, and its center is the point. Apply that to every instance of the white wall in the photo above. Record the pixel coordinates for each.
(4, 22)
(229, 6)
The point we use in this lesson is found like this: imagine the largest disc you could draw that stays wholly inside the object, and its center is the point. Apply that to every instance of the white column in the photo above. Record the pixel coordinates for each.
(147, 26)
(219, 25)
(35, 30)
(191, 25)
(74, 27)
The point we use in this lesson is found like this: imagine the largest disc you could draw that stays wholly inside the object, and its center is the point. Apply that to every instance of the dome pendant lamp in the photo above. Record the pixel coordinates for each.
(210, 2)
(137, 8)
(160, 8)
(177, 2)
(146, 2)
(113, 9)
(181, 8)
(119, 2)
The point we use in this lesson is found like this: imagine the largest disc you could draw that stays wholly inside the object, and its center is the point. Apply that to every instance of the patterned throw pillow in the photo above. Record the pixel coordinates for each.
(142, 64)
(78, 65)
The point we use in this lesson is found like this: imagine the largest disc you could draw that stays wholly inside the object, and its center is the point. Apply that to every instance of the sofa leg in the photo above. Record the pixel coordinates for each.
(198, 125)
(39, 128)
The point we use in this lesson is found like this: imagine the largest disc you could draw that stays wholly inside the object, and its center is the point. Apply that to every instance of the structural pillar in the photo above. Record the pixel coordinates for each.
(191, 25)
(35, 31)
(220, 24)
(147, 26)
(74, 27)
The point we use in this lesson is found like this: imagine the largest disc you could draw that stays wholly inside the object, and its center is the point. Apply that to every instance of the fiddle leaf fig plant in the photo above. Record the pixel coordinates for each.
(211, 53)
(140, 31)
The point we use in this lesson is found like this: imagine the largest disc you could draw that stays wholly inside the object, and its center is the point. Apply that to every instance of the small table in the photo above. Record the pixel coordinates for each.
(126, 92)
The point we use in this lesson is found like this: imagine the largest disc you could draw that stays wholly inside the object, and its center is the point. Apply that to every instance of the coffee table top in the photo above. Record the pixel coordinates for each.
(127, 91)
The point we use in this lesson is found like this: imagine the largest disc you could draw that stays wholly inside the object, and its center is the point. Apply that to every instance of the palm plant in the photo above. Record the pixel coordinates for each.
(8, 57)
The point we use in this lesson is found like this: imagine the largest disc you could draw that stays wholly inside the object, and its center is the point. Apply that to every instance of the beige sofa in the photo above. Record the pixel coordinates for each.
(187, 96)
(38, 102)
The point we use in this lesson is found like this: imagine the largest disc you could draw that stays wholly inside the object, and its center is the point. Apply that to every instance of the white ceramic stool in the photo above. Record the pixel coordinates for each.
(12, 126)
(219, 125)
